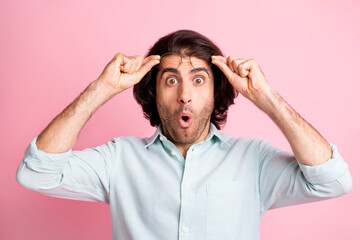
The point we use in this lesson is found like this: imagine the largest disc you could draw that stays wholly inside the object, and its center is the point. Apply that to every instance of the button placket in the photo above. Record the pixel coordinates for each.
(185, 229)
(171, 149)
(187, 202)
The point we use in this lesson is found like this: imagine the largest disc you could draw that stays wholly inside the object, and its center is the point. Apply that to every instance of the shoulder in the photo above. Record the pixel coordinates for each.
(241, 141)
(259, 146)
(129, 141)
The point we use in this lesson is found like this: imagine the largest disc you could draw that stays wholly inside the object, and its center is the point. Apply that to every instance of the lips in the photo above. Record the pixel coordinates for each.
(185, 120)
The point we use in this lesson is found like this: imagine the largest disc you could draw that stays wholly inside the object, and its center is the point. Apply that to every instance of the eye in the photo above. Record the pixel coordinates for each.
(171, 81)
(198, 80)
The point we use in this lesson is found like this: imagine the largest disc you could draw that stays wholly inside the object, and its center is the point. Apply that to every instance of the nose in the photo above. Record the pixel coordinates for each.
(184, 94)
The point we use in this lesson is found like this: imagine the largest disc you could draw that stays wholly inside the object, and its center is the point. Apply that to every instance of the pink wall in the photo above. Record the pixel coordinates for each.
(51, 50)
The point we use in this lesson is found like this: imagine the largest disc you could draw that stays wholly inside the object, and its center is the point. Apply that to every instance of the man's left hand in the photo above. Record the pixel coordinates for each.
(245, 76)
(309, 147)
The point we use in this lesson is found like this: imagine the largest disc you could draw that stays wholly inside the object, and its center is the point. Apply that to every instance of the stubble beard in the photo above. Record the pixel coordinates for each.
(184, 136)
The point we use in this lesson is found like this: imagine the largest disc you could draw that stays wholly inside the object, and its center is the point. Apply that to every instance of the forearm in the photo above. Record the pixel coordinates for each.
(62, 132)
(308, 146)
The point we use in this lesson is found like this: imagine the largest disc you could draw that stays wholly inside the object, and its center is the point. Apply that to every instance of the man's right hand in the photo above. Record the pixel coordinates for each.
(122, 72)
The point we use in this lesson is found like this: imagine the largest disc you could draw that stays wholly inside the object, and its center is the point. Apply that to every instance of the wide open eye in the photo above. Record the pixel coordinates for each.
(171, 81)
(198, 80)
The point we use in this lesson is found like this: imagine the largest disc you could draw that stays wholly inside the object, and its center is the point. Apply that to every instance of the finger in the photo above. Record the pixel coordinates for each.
(247, 66)
(229, 62)
(242, 70)
(139, 62)
(125, 64)
(146, 68)
(218, 58)
(221, 62)
(118, 60)
(133, 65)
(233, 62)
(236, 64)
(151, 57)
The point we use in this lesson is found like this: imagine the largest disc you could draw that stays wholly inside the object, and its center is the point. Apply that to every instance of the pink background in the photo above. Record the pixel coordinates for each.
(51, 50)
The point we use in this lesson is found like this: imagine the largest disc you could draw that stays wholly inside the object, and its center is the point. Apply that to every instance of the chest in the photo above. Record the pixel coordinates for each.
(211, 191)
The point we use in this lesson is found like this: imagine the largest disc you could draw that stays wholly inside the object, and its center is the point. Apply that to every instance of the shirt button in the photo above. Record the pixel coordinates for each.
(186, 185)
(173, 152)
(185, 229)
(161, 138)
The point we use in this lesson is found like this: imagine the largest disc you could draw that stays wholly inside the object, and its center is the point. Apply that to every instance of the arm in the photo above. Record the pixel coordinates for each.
(52, 168)
(121, 73)
(283, 181)
(316, 173)
(308, 146)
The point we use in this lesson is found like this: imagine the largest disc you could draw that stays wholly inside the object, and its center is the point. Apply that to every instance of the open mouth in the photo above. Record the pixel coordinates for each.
(185, 120)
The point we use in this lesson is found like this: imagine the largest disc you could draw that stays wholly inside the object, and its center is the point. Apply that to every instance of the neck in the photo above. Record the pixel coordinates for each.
(183, 148)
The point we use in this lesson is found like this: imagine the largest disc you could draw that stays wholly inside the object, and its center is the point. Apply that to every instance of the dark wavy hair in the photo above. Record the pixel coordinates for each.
(185, 43)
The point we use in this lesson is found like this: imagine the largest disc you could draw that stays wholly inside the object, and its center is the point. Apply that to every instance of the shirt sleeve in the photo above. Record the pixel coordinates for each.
(79, 175)
(284, 181)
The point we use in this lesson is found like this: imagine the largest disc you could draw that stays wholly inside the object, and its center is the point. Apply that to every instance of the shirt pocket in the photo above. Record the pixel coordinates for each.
(225, 209)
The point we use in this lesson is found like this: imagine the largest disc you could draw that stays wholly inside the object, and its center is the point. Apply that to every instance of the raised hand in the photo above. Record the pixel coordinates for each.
(245, 76)
(122, 72)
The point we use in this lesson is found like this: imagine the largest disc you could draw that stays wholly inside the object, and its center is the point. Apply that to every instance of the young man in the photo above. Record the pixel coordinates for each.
(187, 181)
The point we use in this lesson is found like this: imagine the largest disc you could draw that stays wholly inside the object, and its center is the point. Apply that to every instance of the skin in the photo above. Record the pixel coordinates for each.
(122, 72)
(185, 89)
(308, 146)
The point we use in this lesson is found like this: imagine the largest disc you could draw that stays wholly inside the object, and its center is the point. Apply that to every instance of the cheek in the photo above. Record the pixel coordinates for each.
(165, 101)
(165, 93)
(206, 95)
(159, 93)
(165, 97)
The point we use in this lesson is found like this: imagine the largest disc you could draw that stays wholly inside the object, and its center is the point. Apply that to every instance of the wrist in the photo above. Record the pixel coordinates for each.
(265, 98)
(96, 94)
(103, 90)
(276, 107)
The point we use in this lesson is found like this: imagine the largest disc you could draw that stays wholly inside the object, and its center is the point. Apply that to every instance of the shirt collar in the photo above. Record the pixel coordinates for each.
(152, 139)
(213, 132)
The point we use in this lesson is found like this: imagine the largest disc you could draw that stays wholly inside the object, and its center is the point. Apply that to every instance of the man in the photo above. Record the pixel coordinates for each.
(187, 181)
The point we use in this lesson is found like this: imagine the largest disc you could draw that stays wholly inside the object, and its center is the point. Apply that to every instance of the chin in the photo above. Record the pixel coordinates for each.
(186, 136)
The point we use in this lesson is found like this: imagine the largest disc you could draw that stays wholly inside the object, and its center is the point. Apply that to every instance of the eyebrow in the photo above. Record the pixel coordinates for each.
(195, 70)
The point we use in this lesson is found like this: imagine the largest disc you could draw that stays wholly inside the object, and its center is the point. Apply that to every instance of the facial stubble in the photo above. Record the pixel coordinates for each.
(178, 135)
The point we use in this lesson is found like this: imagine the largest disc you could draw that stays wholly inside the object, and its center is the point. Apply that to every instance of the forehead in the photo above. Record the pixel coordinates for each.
(183, 65)
(176, 61)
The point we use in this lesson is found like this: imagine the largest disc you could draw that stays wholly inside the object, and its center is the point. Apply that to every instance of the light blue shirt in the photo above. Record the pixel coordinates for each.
(220, 191)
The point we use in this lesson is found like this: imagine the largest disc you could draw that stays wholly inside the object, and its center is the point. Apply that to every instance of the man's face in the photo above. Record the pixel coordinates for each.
(184, 98)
